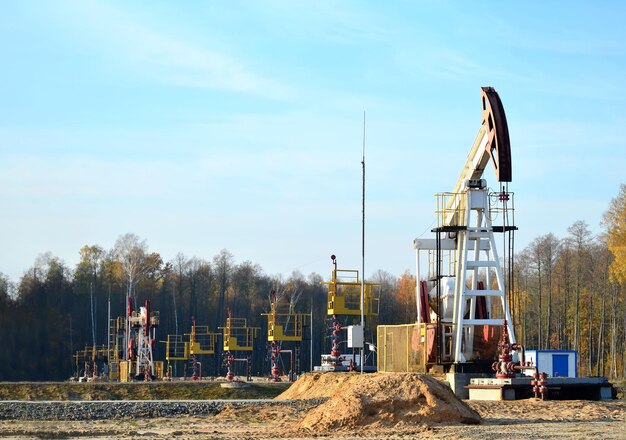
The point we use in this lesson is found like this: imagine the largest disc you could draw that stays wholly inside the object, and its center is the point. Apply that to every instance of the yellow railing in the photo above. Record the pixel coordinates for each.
(238, 336)
(176, 348)
(201, 340)
(284, 326)
(344, 294)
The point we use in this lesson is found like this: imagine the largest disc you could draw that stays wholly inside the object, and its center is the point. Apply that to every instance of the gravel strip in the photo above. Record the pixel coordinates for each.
(104, 410)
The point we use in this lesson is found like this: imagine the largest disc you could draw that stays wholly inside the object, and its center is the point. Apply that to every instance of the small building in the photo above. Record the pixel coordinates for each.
(557, 363)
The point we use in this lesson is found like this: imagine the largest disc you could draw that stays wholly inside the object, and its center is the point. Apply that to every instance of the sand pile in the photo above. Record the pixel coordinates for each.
(378, 400)
(315, 385)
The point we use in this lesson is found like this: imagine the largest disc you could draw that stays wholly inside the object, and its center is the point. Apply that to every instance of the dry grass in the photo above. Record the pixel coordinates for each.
(620, 388)
(186, 390)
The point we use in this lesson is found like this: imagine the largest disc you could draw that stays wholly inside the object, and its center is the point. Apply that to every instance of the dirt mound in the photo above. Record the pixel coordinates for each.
(315, 385)
(378, 400)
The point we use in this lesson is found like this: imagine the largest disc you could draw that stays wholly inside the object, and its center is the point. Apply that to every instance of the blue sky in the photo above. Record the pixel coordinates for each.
(201, 125)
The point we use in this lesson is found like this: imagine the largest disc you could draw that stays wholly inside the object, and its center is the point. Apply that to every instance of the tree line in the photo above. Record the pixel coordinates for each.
(55, 310)
(568, 293)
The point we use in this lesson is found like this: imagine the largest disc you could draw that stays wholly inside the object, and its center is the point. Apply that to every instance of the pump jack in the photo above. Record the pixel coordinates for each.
(465, 234)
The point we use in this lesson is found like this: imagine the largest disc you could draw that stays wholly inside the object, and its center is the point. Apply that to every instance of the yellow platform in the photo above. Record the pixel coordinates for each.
(238, 336)
(344, 294)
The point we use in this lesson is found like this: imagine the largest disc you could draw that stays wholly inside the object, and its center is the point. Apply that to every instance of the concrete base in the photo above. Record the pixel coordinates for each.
(459, 381)
(325, 368)
(559, 388)
(492, 393)
(606, 393)
(234, 384)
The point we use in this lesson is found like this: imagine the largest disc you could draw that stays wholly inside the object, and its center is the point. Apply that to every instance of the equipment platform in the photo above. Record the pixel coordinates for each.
(559, 388)
(338, 368)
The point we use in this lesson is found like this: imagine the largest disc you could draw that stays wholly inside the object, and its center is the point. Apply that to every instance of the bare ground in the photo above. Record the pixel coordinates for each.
(410, 407)
(528, 419)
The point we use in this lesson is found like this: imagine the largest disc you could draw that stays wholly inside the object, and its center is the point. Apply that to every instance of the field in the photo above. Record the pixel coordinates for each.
(178, 390)
(338, 407)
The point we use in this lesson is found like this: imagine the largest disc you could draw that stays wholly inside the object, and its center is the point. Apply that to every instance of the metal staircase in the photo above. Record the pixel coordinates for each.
(477, 258)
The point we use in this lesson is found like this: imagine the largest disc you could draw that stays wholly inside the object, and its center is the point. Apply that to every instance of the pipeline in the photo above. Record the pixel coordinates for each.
(194, 368)
(540, 385)
(275, 372)
(335, 353)
(229, 361)
(505, 368)
(168, 372)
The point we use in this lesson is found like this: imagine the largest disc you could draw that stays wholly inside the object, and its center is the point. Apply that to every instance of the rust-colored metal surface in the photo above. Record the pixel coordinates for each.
(494, 121)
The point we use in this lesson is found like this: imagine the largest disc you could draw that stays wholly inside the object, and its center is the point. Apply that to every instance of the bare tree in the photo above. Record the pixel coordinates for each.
(223, 264)
(91, 257)
(522, 284)
(296, 285)
(131, 252)
(535, 251)
(277, 292)
(547, 250)
(180, 264)
(602, 262)
(390, 303)
(564, 287)
(580, 237)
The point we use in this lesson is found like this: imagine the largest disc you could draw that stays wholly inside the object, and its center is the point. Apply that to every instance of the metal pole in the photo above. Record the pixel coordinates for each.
(418, 295)
(438, 277)
(109, 332)
(69, 315)
(363, 249)
(311, 354)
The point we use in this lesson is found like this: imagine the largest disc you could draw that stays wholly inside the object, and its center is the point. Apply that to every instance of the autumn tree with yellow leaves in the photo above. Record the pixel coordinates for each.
(615, 222)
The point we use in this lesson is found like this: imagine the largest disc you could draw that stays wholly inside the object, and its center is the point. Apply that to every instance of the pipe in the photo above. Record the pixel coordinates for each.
(525, 367)
(520, 347)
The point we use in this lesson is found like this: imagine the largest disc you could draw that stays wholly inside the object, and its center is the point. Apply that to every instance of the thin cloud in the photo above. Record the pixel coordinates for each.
(171, 60)
(327, 21)
(190, 66)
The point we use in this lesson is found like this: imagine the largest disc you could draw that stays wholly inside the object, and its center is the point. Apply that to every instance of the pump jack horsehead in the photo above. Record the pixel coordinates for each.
(465, 234)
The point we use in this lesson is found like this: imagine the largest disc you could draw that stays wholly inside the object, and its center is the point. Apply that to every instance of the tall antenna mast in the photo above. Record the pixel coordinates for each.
(363, 248)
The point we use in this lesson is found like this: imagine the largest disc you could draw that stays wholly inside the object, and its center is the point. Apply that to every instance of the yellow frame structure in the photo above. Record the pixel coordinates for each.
(89, 354)
(201, 340)
(277, 323)
(238, 336)
(344, 294)
(176, 349)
